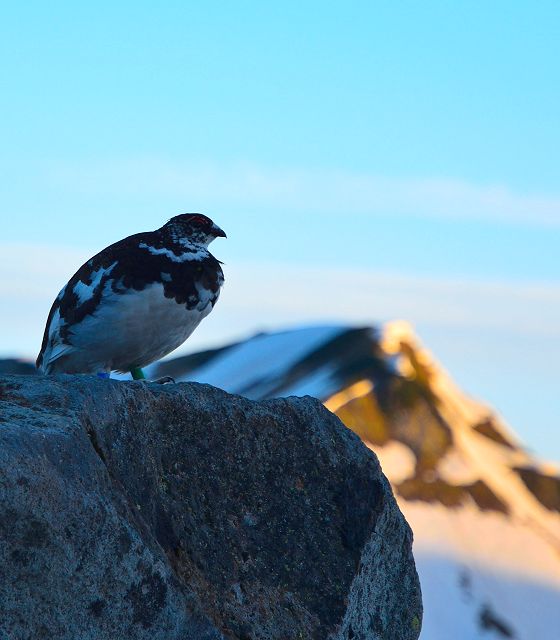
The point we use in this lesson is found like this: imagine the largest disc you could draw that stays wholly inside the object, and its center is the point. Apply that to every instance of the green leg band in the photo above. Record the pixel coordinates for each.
(137, 373)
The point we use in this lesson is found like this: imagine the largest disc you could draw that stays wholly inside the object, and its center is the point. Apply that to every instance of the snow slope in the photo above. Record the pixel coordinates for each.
(485, 513)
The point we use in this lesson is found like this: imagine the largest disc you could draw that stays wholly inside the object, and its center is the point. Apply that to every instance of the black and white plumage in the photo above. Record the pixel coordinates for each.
(135, 301)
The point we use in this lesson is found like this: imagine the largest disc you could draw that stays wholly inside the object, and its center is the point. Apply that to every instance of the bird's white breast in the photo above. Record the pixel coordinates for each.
(133, 329)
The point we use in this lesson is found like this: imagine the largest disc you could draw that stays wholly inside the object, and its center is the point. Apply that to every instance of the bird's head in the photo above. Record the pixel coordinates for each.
(193, 227)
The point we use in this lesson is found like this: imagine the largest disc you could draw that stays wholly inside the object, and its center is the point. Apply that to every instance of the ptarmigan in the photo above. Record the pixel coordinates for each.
(135, 301)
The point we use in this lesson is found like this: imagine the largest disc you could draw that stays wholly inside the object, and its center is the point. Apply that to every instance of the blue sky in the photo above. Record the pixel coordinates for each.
(407, 151)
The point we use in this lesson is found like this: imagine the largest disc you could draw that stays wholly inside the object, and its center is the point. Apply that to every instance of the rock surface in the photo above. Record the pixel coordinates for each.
(131, 510)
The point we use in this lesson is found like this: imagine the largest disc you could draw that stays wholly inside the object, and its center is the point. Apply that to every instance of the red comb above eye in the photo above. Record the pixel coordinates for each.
(199, 219)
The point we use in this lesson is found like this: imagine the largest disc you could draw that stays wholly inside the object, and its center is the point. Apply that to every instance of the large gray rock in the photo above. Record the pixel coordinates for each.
(132, 510)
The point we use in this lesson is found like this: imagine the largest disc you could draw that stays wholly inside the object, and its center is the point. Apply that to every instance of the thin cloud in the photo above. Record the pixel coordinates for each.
(294, 295)
(312, 191)
(531, 308)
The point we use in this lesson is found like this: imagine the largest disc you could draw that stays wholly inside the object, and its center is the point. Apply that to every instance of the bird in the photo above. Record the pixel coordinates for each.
(135, 301)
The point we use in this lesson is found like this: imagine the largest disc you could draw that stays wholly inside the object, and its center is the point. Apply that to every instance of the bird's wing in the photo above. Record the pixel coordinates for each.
(52, 346)
(75, 301)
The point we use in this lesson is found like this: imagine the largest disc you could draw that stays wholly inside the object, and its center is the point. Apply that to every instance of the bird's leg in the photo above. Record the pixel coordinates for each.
(138, 374)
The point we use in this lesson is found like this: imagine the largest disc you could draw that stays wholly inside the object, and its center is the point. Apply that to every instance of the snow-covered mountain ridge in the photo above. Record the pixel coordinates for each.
(485, 513)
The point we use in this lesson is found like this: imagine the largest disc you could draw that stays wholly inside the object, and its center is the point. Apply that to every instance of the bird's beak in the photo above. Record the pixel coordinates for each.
(217, 232)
